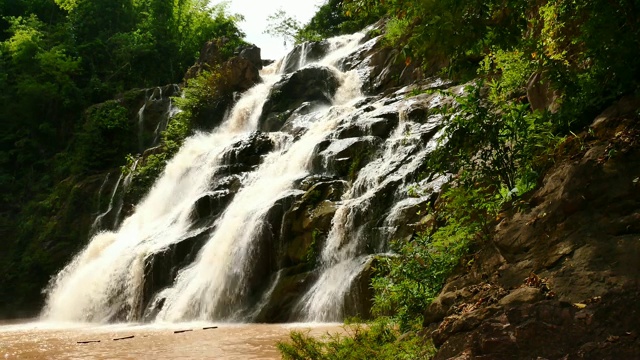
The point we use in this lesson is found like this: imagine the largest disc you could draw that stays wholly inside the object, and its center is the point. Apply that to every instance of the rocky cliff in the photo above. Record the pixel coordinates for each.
(560, 277)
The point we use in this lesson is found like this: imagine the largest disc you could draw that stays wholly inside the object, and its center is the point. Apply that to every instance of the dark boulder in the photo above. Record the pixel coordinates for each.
(306, 224)
(161, 269)
(305, 53)
(311, 84)
(247, 153)
(241, 73)
(251, 53)
(345, 157)
(210, 206)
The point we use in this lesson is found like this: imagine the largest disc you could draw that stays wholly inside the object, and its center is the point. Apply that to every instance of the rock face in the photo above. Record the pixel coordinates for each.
(149, 111)
(385, 67)
(559, 280)
(251, 53)
(242, 69)
(311, 84)
(305, 53)
(236, 75)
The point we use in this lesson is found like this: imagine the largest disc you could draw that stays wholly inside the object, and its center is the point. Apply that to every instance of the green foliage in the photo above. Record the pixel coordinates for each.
(106, 137)
(492, 144)
(378, 340)
(407, 282)
(590, 50)
(510, 71)
(333, 18)
(283, 25)
(204, 95)
(311, 255)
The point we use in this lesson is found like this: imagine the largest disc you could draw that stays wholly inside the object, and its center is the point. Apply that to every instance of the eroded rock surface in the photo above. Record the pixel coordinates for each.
(560, 279)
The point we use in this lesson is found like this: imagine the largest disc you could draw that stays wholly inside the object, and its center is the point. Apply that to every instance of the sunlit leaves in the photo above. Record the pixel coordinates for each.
(283, 25)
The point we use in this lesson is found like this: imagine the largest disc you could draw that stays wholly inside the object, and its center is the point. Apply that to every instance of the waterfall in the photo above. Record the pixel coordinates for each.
(141, 128)
(106, 280)
(344, 256)
(97, 223)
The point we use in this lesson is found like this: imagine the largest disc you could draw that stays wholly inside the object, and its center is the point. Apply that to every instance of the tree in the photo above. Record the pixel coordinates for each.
(284, 26)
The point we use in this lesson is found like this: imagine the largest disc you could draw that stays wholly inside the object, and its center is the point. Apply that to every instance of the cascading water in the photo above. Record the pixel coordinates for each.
(97, 223)
(345, 254)
(105, 281)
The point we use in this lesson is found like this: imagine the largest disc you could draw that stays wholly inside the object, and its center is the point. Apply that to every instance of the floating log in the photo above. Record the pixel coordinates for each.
(88, 341)
(124, 338)
(209, 327)
(181, 331)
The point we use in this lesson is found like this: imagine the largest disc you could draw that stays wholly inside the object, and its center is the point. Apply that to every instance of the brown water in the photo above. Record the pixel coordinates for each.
(228, 341)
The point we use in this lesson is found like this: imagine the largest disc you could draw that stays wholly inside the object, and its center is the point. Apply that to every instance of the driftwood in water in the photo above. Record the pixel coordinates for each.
(88, 341)
(181, 331)
(209, 327)
(124, 338)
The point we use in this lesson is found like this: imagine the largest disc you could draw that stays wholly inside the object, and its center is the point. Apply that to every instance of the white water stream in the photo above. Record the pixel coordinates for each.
(105, 280)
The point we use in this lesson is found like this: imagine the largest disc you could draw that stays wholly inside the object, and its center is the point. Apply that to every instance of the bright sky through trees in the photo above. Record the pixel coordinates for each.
(255, 14)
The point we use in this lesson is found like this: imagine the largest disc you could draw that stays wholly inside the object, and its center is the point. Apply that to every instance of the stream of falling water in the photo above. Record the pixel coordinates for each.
(216, 284)
(105, 280)
(343, 257)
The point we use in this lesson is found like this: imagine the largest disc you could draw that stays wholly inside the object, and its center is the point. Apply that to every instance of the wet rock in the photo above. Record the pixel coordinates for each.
(290, 285)
(350, 131)
(209, 207)
(229, 183)
(264, 256)
(149, 111)
(381, 127)
(306, 224)
(374, 126)
(358, 301)
(298, 121)
(311, 84)
(345, 157)
(304, 53)
(161, 269)
(248, 152)
(385, 67)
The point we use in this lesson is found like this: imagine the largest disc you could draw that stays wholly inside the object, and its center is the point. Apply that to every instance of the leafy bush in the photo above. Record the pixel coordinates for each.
(205, 99)
(379, 340)
(106, 137)
(413, 277)
(493, 145)
(205, 96)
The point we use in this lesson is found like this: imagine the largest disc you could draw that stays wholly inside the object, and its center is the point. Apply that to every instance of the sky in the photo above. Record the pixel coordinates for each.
(255, 14)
